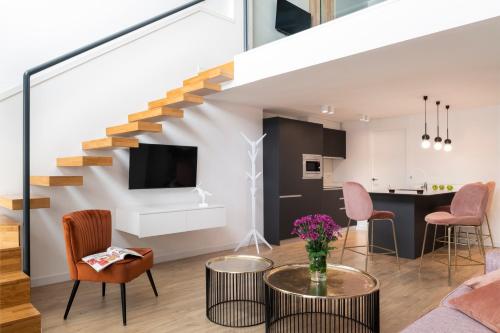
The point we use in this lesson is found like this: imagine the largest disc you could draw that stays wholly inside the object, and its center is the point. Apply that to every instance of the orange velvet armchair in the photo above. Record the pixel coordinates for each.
(89, 232)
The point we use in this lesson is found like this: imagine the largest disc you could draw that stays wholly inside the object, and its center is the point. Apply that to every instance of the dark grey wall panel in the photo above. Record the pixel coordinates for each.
(271, 180)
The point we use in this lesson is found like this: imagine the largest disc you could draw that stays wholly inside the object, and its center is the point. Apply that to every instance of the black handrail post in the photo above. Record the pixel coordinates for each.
(26, 173)
(245, 25)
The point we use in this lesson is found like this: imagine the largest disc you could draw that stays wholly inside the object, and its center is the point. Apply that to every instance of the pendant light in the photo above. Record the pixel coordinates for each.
(447, 143)
(426, 143)
(438, 141)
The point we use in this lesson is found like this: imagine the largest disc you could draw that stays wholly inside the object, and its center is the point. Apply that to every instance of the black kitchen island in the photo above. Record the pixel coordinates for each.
(410, 209)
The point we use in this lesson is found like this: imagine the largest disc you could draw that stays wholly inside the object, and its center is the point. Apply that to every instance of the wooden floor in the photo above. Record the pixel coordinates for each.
(405, 295)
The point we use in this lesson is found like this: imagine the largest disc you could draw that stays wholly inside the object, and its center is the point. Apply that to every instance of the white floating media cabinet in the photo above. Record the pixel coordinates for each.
(148, 221)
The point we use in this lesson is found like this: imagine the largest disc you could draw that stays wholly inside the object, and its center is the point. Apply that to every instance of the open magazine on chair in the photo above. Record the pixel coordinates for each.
(100, 261)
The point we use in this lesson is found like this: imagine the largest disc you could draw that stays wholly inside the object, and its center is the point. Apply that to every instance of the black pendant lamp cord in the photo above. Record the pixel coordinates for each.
(447, 110)
(425, 113)
(437, 104)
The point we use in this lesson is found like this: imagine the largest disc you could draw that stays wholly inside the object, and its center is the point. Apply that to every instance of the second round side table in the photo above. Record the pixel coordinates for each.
(235, 290)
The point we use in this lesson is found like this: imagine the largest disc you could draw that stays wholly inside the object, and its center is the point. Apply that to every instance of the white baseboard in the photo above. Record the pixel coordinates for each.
(159, 258)
(49, 279)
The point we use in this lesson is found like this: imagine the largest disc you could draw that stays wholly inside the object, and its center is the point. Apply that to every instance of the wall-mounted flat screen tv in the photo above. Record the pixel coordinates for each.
(162, 166)
(291, 19)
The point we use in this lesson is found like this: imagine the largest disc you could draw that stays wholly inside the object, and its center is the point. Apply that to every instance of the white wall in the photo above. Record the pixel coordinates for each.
(37, 31)
(475, 155)
(80, 103)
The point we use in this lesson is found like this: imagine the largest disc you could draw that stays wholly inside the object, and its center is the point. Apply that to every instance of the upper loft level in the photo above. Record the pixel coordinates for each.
(289, 35)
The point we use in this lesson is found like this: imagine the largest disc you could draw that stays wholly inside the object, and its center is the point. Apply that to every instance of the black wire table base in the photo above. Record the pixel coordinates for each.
(235, 299)
(292, 313)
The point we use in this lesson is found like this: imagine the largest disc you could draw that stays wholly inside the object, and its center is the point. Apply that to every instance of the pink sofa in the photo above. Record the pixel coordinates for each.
(445, 319)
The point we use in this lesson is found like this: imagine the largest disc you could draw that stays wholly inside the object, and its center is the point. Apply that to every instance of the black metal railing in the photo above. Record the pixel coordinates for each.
(26, 108)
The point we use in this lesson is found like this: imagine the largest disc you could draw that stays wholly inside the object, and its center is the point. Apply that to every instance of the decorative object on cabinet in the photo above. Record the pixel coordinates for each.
(253, 176)
(318, 231)
(203, 195)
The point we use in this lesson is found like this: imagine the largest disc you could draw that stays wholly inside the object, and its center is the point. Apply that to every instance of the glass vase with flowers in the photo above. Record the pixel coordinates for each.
(318, 231)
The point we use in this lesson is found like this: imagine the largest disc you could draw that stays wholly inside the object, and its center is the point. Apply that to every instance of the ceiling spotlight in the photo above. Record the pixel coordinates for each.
(326, 109)
(364, 118)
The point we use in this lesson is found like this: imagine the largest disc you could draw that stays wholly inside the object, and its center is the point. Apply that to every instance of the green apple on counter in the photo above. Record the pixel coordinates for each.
(449, 187)
(441, 187)
(435, 187)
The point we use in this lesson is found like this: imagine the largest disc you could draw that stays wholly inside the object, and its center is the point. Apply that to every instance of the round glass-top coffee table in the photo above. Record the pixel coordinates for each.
(235, 290)
(347, 302)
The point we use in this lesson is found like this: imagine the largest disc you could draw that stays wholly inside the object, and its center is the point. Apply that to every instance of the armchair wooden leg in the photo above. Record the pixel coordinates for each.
(124, 304)
(103, 289)
(71, 298)
(150, 276)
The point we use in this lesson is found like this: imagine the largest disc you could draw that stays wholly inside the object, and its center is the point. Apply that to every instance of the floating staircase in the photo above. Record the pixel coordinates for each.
(134, 128)
(17, 314)
(82, 161)
(15, 202)
(111, 142)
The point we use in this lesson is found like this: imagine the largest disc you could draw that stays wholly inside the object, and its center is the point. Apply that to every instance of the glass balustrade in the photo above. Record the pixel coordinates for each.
(270, 20)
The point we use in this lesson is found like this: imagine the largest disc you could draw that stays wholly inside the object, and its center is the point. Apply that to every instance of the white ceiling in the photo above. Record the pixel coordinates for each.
(460, 67)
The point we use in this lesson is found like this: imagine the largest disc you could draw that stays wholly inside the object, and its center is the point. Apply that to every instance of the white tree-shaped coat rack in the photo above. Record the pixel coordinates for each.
(253, 176)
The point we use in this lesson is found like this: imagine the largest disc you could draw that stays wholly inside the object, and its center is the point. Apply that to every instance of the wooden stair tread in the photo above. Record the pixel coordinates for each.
(10, 233)
(15, 202)
(20, 318)
(12, 277)
(110, 143)
(200, 88)
(56, 180)
(10, 259)
(14, 289)
(134, 128)
(156, 114)
(80, 161)
(217, 74)
(177, 102)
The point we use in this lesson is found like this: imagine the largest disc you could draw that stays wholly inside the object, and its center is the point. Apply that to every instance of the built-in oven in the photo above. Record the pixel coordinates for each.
(311, 166)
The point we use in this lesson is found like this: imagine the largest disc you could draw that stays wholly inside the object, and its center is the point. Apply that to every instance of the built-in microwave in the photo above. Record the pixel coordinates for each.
(311, 166)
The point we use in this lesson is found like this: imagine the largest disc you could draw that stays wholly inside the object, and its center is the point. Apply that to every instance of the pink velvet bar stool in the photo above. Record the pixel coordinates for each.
(467, 210)
(491, 192)
(359, 207)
